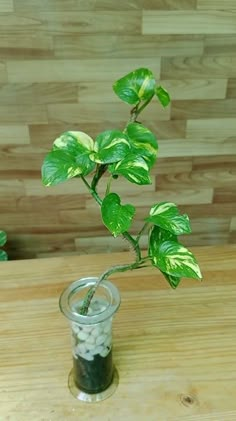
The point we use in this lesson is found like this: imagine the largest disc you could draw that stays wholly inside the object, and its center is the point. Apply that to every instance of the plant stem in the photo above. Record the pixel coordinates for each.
(134, 242)
(141, 231)
(100, 170)
(106, 274)
(93, 192)
(108, 185)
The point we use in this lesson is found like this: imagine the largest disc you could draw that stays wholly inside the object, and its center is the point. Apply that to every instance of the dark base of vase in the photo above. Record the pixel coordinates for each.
(92, 397)
(93, 376)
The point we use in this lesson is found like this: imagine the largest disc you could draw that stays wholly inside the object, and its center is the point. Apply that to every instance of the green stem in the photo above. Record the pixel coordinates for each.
(145, 104)
(134, 242)
(141, 231)
(105, 275)
(93, 192)
(108, 185)
(100, 170)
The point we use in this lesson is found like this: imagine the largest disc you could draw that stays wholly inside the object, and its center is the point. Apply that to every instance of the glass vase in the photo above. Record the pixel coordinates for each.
(93, 376)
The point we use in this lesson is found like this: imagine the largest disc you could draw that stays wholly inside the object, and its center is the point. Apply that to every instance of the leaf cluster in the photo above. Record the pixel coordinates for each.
(130, 153)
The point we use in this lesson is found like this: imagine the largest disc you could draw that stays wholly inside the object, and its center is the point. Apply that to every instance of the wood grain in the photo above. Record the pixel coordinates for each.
(216, 4)
(188, 335)
(14, 135)
(189, 22)
(74, 70)
(6, 6)
(126, 46)
(58, 61)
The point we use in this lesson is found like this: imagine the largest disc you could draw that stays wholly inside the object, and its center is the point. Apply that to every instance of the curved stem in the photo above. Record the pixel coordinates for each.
(105, 275)
(93, 192)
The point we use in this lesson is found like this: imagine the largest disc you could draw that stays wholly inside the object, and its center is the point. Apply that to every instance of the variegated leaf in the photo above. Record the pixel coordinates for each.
(136, 86)
(116, 217)
(134, 168)
(110, 146)
(143, 142)
(68, 158)
(59, 166)
(166, 215)
(176, 260)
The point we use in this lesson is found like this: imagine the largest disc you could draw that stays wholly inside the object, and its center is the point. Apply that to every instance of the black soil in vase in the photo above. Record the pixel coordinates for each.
(93, 376)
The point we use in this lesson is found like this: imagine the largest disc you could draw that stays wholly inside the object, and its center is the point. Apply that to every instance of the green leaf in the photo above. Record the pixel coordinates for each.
(69, 158)
(156, 237)
(173, 280)
(117, 218)
(79, 146)
(59, 166)
(166, 215)
(136, 86)
(110, 146)
(3, 238)
(162, 95)
(176, 260)
(143, 142)
(3, 255)
(132, 167)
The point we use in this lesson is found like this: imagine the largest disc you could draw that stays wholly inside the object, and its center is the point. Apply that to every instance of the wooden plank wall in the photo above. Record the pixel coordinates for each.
(58, 60)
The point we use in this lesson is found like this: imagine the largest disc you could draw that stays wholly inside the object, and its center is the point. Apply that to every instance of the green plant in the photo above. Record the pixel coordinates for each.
(3, 240)
(130, 153)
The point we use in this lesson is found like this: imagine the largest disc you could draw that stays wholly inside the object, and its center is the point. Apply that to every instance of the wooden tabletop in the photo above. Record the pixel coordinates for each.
(175, 350)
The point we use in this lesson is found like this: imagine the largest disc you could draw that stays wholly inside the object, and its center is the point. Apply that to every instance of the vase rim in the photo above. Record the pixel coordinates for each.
(70, 312)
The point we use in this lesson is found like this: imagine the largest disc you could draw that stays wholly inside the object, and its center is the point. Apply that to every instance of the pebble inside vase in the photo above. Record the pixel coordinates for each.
(92, 351)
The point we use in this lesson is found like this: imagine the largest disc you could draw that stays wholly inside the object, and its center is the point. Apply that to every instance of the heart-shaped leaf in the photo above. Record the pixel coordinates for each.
(143, 142)
(156, 237)
(59, 166)
(132, 167)
(166, 215)
(3, 255)
(110, 146)
(136, 86)
(176, 260)
(69, 158)
(162, 95)
(3, 238)
(117, 218)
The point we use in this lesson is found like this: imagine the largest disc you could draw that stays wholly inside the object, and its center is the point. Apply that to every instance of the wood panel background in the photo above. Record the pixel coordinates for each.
(58, 60)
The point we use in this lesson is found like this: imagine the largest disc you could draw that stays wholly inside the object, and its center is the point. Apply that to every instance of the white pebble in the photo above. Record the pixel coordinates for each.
(108, 341)
(100, 339)
(87, 328)
(91, 339)
(96, 331)
(107, 327)
(82, 335)
(105, 352)
(80, 349)
(89, 346)
(97, 350)
(88, 356)
(75, 327)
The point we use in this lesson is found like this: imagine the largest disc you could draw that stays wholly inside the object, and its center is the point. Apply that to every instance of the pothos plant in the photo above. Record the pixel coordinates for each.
(3, 240)
(128, 153)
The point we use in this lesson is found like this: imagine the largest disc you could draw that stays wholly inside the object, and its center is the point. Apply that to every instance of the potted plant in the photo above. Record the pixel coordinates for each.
(130, 152)
(3, 240)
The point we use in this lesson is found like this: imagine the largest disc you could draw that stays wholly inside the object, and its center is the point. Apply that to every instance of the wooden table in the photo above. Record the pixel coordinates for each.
(175, 350)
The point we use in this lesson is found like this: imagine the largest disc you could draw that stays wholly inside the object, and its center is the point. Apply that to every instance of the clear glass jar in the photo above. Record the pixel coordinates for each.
(93, 376)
